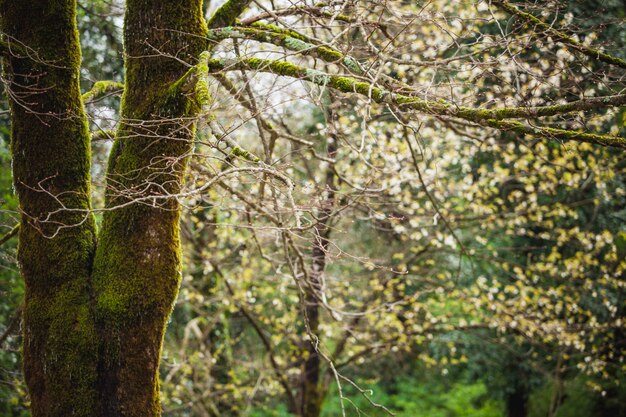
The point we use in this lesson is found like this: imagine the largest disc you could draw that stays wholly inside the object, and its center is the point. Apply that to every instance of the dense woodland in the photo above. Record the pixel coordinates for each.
(299, 208)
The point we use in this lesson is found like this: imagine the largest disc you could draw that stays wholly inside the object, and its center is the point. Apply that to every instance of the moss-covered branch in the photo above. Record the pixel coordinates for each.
(529, 112)
(9, 234)
(102, 135)
(202, 73)
(289, 32)
(488, 117)
(101, 89)
(290, 40)
(303, 45)
(560, 36)
(227, 14)
(554, 133)
(294, 42)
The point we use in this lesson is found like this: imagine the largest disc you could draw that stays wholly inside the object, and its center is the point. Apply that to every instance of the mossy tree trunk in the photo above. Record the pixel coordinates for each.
(95, 316)
(51, 158)
(137, 267)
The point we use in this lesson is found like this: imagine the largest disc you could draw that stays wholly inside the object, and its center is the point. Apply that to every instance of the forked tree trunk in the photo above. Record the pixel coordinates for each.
(94, 324)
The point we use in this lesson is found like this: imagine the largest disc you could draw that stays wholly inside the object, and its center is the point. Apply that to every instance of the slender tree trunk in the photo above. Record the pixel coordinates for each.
(51, 156)
(312, 391)
(137, 269)
(217, 341)
(557, 393)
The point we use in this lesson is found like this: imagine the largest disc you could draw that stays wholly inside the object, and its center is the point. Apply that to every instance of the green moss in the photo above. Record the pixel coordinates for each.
(71, 343)
(51, 151)
(329, 54)
(227, 13)
(242, 153)
(343, 83)
(350, 85)
(137, 267)
(100, 89)
(557, 134)
(202, 87)
(277, 67)
(280, 30)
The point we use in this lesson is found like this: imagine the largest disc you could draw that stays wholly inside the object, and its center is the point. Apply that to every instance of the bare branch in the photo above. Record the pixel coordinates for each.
(560, 36)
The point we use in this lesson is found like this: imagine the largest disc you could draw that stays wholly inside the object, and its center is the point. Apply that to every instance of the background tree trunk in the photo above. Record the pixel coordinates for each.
(313, 392)
(517, 404)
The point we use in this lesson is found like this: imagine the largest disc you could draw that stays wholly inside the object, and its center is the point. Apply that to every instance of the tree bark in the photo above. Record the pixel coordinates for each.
(95, 317)
(312, 391)
(517, 404)
(137, 269)
(51, 156)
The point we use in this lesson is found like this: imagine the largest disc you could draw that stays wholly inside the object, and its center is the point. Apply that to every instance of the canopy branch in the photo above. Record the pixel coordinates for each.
(315, 10)
(291, 41)
(332, 55)
(488, 117)
(560, 36)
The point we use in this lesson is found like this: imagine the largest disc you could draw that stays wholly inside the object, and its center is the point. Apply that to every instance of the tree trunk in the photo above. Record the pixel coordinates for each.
(517, 402)
(137, 269)
(312, 391)
(51, 150)
(95, 318)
